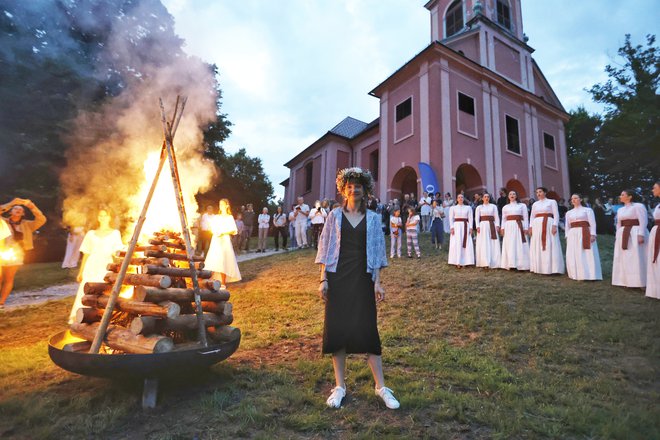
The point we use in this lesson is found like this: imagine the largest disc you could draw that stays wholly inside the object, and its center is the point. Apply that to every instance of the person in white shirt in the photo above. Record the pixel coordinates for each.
(317, 217)
(205, 233)
(582, 259)
(513, 229)
(395, 233)
(629, 263)
(425, 211)
(447, 203)
(411, 233)
(461, 248)
(545, 254)
(279, 224)
(292, 227)
(487, 220)
(300, 214)
(264, 224)
(653, 261)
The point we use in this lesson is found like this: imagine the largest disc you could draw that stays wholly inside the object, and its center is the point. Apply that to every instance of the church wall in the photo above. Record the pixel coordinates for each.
(551, 176)
(435, 121)
(516, 166)
(469, 46)
(507, 60)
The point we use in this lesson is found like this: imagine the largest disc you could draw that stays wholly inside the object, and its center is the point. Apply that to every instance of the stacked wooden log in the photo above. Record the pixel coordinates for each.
(159, 316)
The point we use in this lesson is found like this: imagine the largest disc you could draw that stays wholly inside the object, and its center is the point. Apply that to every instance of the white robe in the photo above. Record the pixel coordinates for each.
(515, 252)
(653, 269)
(550, 260)
(581, 264)
(446, 205)
(629, 266)
(488, 250)
(99, 250)
(459, 255)
(73, 242)
(221, 257)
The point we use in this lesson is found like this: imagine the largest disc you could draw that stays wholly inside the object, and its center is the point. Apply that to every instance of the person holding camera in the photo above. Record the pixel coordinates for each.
(317, 216)
(300, 214)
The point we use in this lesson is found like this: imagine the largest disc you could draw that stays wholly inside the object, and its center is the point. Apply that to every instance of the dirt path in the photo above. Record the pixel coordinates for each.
(26, 298)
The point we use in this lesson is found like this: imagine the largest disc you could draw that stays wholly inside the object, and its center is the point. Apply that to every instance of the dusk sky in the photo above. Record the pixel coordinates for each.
(290, 70)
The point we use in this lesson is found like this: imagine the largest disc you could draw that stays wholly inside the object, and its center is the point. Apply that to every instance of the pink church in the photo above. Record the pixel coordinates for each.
(473, 105)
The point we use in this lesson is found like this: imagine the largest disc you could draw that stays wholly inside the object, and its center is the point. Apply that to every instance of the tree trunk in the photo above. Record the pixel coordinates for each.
(165, 309)
(172, 256)
(213, 307)
(122, 339)
(139, 279)
(147, 324)
(88, 315)
(142, 293)
(175, 272)
(224, 333)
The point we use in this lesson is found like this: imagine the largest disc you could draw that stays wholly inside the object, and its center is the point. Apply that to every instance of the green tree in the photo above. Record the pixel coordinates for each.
(581, 140)
(629, 139)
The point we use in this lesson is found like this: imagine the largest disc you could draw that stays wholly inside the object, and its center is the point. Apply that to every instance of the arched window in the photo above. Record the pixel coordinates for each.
(504, 14)
(454, 18)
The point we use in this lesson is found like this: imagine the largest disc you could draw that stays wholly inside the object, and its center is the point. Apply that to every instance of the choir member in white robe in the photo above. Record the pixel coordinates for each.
(545, 254)
(653, 261)
(513, 229)
(629, 262)
(447, 203)
(461, 248)
(487, 220)
(582, 258)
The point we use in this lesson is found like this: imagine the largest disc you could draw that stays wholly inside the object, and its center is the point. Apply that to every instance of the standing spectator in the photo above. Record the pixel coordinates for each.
(264, 225)
(395, 233)
(411, 233)
(73, 241)
(461, 247)
(502, 201)
(19, 242)
(238, 240)
(599, 215)
(248, 222)
(317, 217)
(425, 211)
(437, 230)
(629, 262)
(301, 214)
(405, 204)
(447, 203)
(205, 230)
(292, 227)
(609, 216)
(221, 258)
(98, 247)
(562, 208)
(413, 202)
(351, 254)
(586, 202)
(280, 229)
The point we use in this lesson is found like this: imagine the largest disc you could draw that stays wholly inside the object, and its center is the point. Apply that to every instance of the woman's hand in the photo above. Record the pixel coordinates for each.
(379, 292)
(640, 239)
(529, 232)
(451, 231)
(501, 231)
(79, 278)
(593, 238)
(554, 230)
(478, 230)
(323, 290)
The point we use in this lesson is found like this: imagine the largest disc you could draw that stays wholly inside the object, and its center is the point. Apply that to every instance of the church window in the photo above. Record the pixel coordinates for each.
(549, 153)
(373, 164)
(454, 18)
(465, 103)
(404, 109)
(512, 135)
(309, 170)
(467, 120)
(504, 14)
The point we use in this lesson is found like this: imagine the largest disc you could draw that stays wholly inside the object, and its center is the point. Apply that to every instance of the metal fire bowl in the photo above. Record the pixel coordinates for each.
(136, 365)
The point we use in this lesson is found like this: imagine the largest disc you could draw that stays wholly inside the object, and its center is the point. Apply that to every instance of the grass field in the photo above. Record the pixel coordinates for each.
(470, 353)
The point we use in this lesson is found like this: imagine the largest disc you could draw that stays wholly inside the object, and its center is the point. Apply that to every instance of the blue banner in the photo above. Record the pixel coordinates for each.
(429, 181)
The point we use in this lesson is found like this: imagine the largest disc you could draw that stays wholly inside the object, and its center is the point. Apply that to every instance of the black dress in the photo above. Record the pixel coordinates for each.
(350, 311)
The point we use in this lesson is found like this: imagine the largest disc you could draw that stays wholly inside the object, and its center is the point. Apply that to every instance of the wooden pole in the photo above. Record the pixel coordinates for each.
(167, 129)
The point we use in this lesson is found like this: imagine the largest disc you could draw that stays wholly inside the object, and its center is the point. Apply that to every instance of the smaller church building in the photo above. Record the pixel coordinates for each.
(473, 105)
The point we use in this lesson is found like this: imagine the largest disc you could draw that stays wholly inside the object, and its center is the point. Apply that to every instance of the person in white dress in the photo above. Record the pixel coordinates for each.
(582, 258)
(513, 229)
(461, 247)
(73, 242)
(629, 262)
(545, 254)
(221, 258)
(447, 203)
(487, 219)
(98, 247)
(653, 261)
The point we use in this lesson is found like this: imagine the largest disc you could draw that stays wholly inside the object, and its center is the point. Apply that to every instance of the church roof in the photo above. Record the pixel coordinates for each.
(349, 128)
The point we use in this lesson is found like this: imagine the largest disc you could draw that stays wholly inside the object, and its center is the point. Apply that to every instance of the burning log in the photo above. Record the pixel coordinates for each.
(142, 293)
(97, 288)
(145, 325)
(165, 309)
(122, 339)
(169, 244)
(175, 272)
(139, 279)
(150, 248)
(213, 307)
(88, 315)
(172, 256)
(224, 333)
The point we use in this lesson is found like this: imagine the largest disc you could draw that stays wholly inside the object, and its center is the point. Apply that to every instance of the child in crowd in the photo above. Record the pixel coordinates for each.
(395, 233)
(411, 233)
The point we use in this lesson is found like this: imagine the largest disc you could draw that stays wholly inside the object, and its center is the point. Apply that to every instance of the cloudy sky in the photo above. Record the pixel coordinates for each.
(292, 69)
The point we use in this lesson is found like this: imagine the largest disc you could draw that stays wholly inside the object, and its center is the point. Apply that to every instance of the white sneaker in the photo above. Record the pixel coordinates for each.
(387, 396)
(336, 397)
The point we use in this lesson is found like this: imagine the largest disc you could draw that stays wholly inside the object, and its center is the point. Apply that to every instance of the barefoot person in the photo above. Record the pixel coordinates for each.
(98, 247)
(19, 240)
(351, 254)
(221, 258)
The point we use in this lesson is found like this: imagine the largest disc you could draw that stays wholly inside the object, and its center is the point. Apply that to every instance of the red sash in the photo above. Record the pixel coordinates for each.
(544, 233)
(518, 219)
(586, 236)
(464, 220)
(627, 228)
(490, 219)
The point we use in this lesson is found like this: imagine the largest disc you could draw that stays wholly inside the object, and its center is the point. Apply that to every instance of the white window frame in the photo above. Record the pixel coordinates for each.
(412, 123)
(506, 138)
(545, 163)
(476, 113)
(444, 20)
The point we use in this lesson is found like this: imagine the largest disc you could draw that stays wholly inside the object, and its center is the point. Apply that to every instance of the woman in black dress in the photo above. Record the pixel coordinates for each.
(351, 253)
